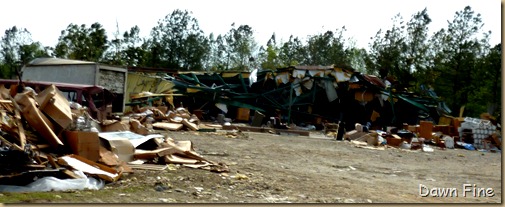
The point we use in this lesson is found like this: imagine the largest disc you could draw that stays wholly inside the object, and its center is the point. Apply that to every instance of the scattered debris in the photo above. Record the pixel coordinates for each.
(47, 137)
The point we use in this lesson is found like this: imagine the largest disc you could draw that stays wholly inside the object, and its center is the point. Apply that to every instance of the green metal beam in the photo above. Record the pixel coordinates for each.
(243, 82)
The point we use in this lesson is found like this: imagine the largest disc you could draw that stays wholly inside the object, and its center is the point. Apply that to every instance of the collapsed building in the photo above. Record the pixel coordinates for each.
(305, 95)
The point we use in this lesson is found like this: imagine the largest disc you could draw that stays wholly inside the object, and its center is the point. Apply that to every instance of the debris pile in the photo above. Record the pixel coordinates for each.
(44, 135)
(465, 133)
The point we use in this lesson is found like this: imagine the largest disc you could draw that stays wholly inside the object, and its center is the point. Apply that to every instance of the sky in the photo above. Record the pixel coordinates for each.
(362, 18)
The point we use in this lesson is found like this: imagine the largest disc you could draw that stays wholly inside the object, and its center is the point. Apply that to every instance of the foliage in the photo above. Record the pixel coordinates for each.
(326, 49)
(458, 51)
(269, 57)
(457, 61)
(386, 52)
(239, 46)
(17, 49)
(292, 52)
(82, 43)
(178, 42)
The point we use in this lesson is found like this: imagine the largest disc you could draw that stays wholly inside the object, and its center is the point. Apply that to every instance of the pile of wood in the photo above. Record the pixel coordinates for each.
(146, 120)
(35, 128)
(42, 133)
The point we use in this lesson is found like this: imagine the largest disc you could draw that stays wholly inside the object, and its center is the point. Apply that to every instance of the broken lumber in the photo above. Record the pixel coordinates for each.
(168, 126)
(190, 125)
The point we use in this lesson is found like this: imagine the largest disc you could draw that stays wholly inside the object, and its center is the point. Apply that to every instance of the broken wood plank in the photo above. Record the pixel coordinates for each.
(71, 174)
(11, 144)
(168, 126)
(7, 105)
(190, 125)
(21, 129)
(52, 162)
(37, 158)
(148, 167)
(37, 119)
(174, 159)
(151, 154)
(107, 157)
(87, 166)
(41, 146)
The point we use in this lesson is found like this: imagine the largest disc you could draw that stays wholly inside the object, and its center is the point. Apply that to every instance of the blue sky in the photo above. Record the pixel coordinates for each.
(362, 18)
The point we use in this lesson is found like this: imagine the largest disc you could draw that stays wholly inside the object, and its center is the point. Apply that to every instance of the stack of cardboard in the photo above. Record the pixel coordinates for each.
(45, 133)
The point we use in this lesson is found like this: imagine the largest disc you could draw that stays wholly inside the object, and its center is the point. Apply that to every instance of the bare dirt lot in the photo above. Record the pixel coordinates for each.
(269, 168)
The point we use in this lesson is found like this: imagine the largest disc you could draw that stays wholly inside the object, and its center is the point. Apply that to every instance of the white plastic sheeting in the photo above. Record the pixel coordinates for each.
(54, 184)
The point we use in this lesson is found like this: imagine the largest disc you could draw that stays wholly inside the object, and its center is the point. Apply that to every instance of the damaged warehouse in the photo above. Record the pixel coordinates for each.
(310, 95)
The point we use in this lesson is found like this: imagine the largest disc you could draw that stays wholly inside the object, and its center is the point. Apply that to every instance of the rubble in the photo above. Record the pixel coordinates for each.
(474, 134)
(47, 137)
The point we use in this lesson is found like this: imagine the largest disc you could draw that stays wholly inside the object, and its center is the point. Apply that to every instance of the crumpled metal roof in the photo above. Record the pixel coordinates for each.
(374, 80)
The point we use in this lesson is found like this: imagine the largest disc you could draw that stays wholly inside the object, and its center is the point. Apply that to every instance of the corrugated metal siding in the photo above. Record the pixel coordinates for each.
(77, 74)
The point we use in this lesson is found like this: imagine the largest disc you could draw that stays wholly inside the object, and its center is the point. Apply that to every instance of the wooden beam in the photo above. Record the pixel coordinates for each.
(21, 129)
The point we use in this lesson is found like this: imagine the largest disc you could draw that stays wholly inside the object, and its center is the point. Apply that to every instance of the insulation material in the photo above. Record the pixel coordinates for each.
(282, 78)
(340, 75)
(297, 87)
(229, 75)
(331, 92)
(308, 83)
(253, 77)
(223, 107)
(316, 73)
(299, 74)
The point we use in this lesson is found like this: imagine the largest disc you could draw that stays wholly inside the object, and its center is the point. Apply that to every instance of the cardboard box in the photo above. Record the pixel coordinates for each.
(123, 148)
(445, 129)
(394, 140)
(87, 166)
(243, 114)
(445, 120)
(168, 126)
(84, 144)
(114, 126)
(138, 128)
(425, 129)
(37, 119)
(55, 106)
(413, 128)
(258, 119)
(103, 114)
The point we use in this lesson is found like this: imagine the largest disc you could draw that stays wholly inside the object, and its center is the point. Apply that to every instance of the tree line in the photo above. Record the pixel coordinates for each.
(457, 62)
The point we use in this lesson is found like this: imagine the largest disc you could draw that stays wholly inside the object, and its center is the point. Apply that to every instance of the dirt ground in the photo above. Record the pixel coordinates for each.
(269, 168)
